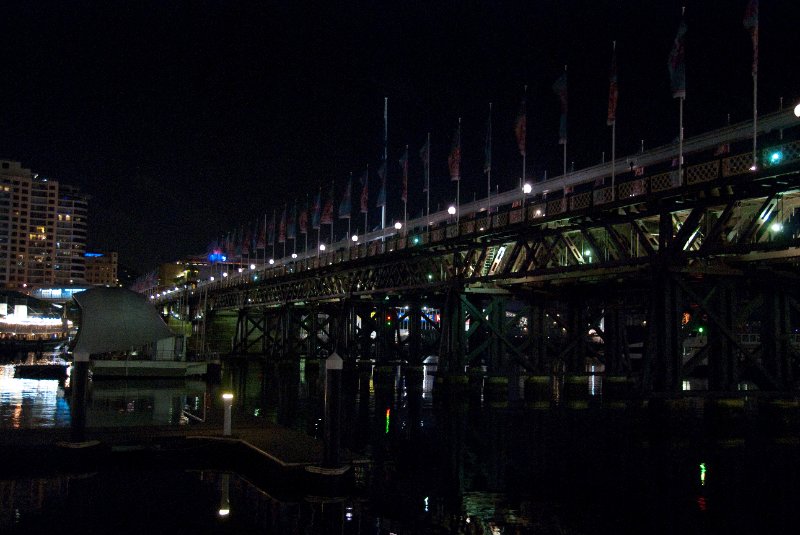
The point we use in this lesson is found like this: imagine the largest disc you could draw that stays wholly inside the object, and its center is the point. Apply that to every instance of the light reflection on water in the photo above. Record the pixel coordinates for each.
(42, 403)
(466, 466)
(31, 403)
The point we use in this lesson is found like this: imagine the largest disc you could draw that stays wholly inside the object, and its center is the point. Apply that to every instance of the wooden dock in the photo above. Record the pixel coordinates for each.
(268, 454)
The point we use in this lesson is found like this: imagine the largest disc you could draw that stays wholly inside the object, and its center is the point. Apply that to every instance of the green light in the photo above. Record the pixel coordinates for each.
(700, 330)
(388, 415)
(415, 241)
(702, 473)
(776, 157)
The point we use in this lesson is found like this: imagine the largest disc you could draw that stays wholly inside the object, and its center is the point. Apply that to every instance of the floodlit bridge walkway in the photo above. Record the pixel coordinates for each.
(579, 273)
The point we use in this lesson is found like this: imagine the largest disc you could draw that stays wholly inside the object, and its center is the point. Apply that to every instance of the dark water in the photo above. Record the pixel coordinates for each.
(440, 465)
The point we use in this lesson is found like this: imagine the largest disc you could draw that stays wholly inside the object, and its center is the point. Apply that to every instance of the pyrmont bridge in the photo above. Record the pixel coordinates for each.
(663, 278)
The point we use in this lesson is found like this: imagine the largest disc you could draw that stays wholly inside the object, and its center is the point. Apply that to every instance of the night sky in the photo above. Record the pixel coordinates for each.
(185, 120)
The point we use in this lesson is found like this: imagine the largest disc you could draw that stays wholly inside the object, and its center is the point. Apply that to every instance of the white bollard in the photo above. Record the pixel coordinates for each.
(227, 400)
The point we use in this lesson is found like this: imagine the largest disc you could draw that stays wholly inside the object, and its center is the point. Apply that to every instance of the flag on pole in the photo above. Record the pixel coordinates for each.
(677, 64)
(261, 241)
(238, 242)
(560, 89)
(282, 227)
(487, 149)
(317, 210)
(230, 249)
(751, 24)
(291, 226)
(327, 210)
(303, 219)
(454, 158)
(613, 91)
(271, 230)
(365, 192)
(424, 155)
(246, 243)
(404, 167)
(521, 126)
(345, 207)
(382, 192)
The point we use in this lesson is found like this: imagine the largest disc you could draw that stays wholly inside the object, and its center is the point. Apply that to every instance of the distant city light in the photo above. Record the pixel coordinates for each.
(294, 255)
(451, 210)
(527, 188)
(398, 225)
(225, 274)
(271, 261)
(776, 157)
(354, 237)
(252, 266)
(776, 227)
(797, 111)
(321, 246)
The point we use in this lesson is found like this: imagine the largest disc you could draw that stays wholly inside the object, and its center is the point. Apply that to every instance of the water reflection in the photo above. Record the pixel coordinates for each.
(462, 464)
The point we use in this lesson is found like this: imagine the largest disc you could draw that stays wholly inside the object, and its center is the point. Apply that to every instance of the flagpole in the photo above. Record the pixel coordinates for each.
(405, 189)
(428, 182)
(272, 244)
(458, 182)
(305, 250)
(565, 132)
(385, 156)
(489, 167)
(680, 142)
(366, 212)
(525, 140)
(755, 112)
(614, 133)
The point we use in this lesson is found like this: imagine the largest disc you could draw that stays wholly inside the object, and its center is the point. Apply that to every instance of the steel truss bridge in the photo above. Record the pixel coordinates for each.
(667, 274)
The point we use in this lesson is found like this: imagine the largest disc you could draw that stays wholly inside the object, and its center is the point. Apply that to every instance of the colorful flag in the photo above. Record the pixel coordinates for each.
(751, 24)
(487, 149)
(425, 156)
(365, 191)
(454, 158)
(382, 192)
(238, 243)
(327, 210)
(346, 206)
(246, 243)
(261, 241)
(271, 230)
(560, 89)
(291, 226)
(303, 220)
(613, 91)
(404, 167)
(282, 227)
(230, 249)
(677, 64)
(521, 126)
(316, 210)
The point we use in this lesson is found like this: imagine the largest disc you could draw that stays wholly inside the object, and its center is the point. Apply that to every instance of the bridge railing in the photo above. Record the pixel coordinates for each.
(574, 192)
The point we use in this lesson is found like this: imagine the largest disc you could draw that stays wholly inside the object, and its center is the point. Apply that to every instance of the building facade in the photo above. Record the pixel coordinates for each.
(101, 269)
(71, 236)
(42, 230)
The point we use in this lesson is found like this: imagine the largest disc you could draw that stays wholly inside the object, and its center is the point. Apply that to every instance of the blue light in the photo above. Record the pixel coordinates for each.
(92, 255)
(776, 157)
(216, 257)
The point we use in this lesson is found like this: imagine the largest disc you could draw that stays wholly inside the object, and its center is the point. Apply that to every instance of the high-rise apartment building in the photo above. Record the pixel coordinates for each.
(71, 235)
(42, 229)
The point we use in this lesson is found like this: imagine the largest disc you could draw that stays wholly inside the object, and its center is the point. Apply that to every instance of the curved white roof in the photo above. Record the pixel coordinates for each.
(116, 319)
